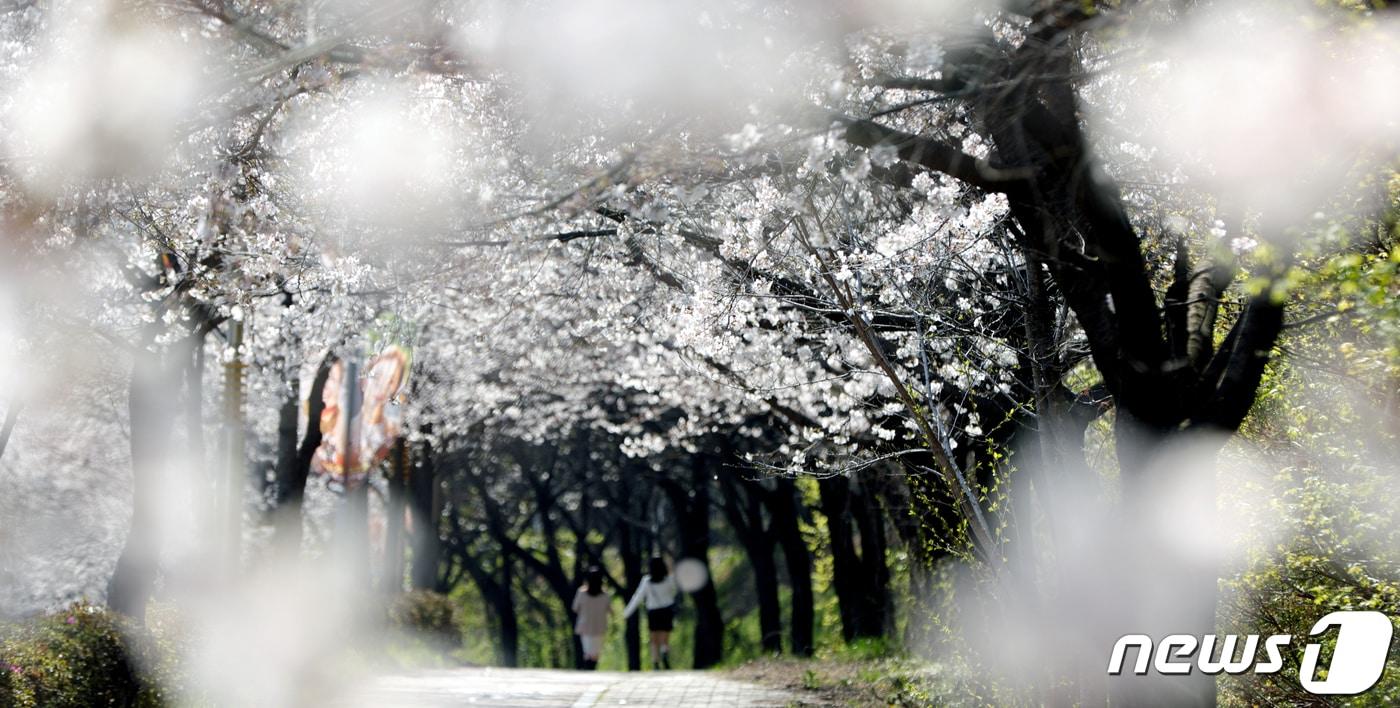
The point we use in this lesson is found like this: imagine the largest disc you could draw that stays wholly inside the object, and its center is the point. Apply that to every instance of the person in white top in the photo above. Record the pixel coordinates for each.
(659, 591)
(592, 604)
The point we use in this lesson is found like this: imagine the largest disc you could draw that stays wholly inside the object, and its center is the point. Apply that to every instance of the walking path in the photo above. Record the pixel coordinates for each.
(571, 689)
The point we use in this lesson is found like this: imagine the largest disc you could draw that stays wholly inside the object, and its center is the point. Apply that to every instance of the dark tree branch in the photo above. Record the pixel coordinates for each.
(911, 83)
(1252, 341)
(315, 406)
(291, 483)
(934, 155)
(564, 237)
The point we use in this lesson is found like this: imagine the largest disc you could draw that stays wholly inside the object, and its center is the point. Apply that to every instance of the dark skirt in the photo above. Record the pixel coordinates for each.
(661, 619)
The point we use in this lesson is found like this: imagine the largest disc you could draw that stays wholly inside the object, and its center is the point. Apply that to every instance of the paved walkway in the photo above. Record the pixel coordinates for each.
(576, 689)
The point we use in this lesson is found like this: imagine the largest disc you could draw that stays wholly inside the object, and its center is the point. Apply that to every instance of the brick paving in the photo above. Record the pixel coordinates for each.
(572, 689)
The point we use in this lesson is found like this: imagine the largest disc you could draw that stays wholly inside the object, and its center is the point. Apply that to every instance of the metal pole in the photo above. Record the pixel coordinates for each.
(354, 533)
(392, 581)
(235, 454)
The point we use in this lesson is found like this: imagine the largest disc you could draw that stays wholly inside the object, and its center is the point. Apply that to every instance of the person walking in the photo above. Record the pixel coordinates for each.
(658, 591)
(592, 604)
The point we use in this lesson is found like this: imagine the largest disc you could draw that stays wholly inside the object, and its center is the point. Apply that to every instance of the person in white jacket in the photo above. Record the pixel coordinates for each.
(658, 590)
(592, 604)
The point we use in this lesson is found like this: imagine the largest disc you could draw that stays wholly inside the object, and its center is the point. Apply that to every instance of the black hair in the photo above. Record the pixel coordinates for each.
(593, 579)
(659, 571)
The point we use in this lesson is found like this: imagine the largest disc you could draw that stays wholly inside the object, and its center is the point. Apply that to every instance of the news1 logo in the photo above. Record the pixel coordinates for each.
(1363, 643)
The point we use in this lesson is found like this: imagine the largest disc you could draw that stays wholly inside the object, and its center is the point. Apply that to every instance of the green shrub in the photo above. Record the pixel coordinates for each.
(429, 616)
(77, 657)
(7, 689)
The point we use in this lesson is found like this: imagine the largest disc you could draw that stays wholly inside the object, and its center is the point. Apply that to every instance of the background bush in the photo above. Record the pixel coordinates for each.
(81, 656)
(429, 616)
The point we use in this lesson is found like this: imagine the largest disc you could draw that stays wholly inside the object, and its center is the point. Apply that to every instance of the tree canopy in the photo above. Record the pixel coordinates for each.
(1001, 279)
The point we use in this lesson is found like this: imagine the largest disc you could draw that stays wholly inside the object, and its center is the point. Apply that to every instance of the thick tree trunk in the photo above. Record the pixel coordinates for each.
(743, 507)
(709, 629)
(287, 414)
(629, 546)
(770, 613)
(876, 606)
(784, 507)
(505, 612)
(423, 507)
(392, 580)
(845, 564)
(552, 569)
(497, 587)
(709, 623)
(151, 407)
(922, 514)
(496, 583)
(291, 480)
(692, 509)
(1176, 592)
(860, 579)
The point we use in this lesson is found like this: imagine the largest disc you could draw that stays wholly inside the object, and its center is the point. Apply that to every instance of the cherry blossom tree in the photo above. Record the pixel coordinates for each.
(939, 258)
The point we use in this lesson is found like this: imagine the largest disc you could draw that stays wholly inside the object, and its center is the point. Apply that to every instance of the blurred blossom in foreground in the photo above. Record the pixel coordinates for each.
(691, 574)
(612, 63)
(10, 338)
(106, 97)
(1103, 569)
(913, 16)
(383, 162)
(276, 637)
(67, 482)
(1270, 107)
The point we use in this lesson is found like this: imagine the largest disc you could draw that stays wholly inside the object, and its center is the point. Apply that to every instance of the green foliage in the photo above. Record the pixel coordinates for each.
(1326, 419)
(81, 656)
(476, 625)
(869, 649)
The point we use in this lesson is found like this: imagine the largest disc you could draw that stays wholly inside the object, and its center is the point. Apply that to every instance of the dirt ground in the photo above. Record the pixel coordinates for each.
(827, 682)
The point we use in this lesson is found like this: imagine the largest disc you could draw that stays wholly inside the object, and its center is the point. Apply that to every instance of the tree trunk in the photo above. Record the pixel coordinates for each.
(496, 585)
(291, 482)
(194, 405)
(287, 414)
(770, 614)
(875, 616)
(784, 508)
(1178, 590)
(392, 580)
(235, 457)
(505, 611)
(921, 630)
(629, 546)
(695, 543)
(744, 509)
(845, 564)
(151, 409)
(422, 504)
(860, 578)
